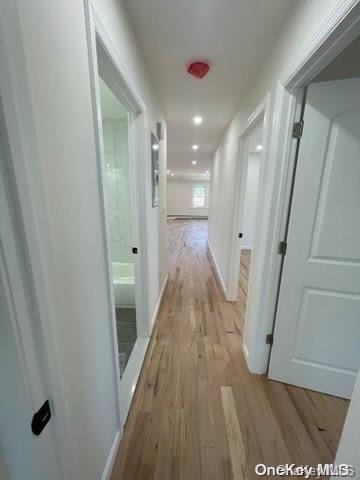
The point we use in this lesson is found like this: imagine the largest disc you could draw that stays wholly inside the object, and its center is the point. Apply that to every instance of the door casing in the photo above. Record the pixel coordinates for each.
(259, 117)
(104, 59)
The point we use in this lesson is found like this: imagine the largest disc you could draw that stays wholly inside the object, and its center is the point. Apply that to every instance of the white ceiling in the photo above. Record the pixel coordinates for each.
(233, 35)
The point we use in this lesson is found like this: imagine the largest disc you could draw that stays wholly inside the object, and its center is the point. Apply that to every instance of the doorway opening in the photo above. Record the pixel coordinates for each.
(119, 212)
(252, 169)
(249, 194)
(252, 149)
(123, 149)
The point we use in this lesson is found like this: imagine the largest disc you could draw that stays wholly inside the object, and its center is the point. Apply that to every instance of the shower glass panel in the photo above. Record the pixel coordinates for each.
(115, 126)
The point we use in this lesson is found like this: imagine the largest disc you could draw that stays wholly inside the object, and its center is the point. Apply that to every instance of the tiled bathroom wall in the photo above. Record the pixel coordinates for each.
(118, 194)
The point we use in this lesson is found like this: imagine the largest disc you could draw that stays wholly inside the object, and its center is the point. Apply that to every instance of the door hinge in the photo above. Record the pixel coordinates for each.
(297, 129)
(282, 247)
(134, 250)
(240, 235)
(269, 339)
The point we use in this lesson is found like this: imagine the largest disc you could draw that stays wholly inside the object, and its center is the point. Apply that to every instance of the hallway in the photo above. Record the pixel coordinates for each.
(197, 412)
(165, 166)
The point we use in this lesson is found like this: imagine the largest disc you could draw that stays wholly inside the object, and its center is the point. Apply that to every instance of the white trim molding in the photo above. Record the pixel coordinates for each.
(323, 45)
(157, 308)
(104, 57)
(131, 376)
(185, 217)
(111, 458)
(217, 270)
(246, 352)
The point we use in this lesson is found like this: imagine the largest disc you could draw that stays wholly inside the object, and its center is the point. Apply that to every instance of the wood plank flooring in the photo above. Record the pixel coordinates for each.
(197, 411)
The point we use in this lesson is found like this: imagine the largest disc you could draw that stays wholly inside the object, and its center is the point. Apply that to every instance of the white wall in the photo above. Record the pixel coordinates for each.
(54, 39)
(303, 20)
(252, 181)
(179, 198)
(118, 193)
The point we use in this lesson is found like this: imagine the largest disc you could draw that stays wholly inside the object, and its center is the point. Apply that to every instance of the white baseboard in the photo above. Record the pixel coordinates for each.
(131, 375)
(156, 311)
(187, 216)
(246, 354)
(249, 363)
(217, 269)
(111, 458)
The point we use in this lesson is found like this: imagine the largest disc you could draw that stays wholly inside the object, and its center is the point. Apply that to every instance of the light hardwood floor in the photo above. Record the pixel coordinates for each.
(197, 411)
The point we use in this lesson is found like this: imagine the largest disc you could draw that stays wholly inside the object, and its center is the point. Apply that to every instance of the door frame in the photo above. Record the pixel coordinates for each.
(336, 32)
(259, 116)
(103, 53)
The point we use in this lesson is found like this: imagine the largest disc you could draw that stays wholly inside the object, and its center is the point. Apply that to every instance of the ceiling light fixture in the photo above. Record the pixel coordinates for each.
(197, 120)
(195, 147)
(168, 171)
(172, 174)
(207, 172)
(259, 148)
(194, 162)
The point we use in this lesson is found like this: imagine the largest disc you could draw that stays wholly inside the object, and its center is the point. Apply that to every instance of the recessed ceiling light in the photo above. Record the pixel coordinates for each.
(194, 162)
(207, 172)
(259, 148)
(195, 147)
(197, 120)
(155, 146)
(172, 174)
(168, 171)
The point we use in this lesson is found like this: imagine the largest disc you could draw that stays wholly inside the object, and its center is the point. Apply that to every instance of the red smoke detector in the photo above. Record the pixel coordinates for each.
(198, 69)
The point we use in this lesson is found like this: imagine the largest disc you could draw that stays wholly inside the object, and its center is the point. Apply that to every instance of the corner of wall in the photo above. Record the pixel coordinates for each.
(112, 456)
(157, 308)
(217, 269)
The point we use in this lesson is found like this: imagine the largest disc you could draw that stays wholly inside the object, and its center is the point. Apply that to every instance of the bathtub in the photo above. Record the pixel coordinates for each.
(124, 284)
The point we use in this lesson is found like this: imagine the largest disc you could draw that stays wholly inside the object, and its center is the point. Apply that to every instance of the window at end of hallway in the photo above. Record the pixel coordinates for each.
(199, 196)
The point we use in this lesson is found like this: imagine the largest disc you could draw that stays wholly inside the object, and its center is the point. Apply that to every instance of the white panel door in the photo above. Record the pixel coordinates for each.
(23, 386)
(317, 327)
